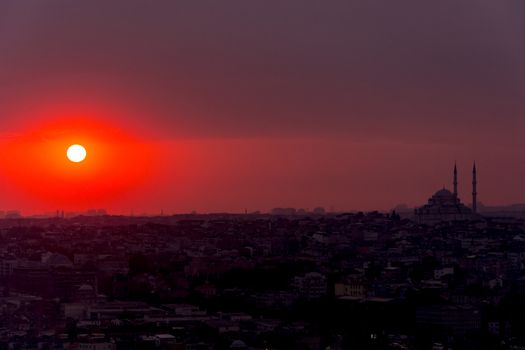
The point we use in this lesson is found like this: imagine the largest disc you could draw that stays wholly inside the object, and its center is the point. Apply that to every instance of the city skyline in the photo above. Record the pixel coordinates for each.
(406, 210)
(262, 175)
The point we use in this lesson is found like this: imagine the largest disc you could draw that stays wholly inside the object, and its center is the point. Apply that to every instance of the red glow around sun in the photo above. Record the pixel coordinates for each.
(35, 161)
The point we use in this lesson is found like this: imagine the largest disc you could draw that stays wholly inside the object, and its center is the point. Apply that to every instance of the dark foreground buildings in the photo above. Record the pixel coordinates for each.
(301, 281)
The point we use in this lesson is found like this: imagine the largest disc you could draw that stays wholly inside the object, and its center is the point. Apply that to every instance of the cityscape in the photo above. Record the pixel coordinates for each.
(262, 175)
(446, 276)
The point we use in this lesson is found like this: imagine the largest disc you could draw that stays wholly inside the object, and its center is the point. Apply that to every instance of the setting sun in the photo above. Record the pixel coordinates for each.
(76, 153)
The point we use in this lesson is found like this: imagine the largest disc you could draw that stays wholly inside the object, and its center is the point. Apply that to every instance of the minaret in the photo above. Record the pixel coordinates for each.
(474, 191)
(455, 181)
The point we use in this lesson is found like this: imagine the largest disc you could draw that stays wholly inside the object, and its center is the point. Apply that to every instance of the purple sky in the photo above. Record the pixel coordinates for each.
(351, 104)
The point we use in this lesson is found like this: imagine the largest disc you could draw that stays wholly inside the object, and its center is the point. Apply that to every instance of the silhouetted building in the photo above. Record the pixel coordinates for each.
(446, 206)
(474, 190)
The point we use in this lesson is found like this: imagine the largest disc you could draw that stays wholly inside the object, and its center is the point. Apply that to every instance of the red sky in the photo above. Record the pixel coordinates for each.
(224, 106)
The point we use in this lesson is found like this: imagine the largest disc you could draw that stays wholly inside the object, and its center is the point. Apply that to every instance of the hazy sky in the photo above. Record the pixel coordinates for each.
(256, 104)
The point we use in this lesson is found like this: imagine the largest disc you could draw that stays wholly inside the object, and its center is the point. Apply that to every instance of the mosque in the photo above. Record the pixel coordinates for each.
(445, 206)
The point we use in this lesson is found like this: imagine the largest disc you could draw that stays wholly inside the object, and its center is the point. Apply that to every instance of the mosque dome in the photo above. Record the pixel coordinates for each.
(444, 196)
(445, 205)
(443, 193)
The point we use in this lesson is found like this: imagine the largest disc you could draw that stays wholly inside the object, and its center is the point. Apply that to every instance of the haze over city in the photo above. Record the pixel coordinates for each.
(262, 175)
(242, 105)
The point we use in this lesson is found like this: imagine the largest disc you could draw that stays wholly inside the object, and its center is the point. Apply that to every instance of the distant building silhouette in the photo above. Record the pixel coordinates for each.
(446, 206)
(474, 189)
(455, 180)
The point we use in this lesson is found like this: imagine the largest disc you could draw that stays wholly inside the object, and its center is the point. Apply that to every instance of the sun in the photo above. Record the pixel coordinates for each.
(76, 153)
